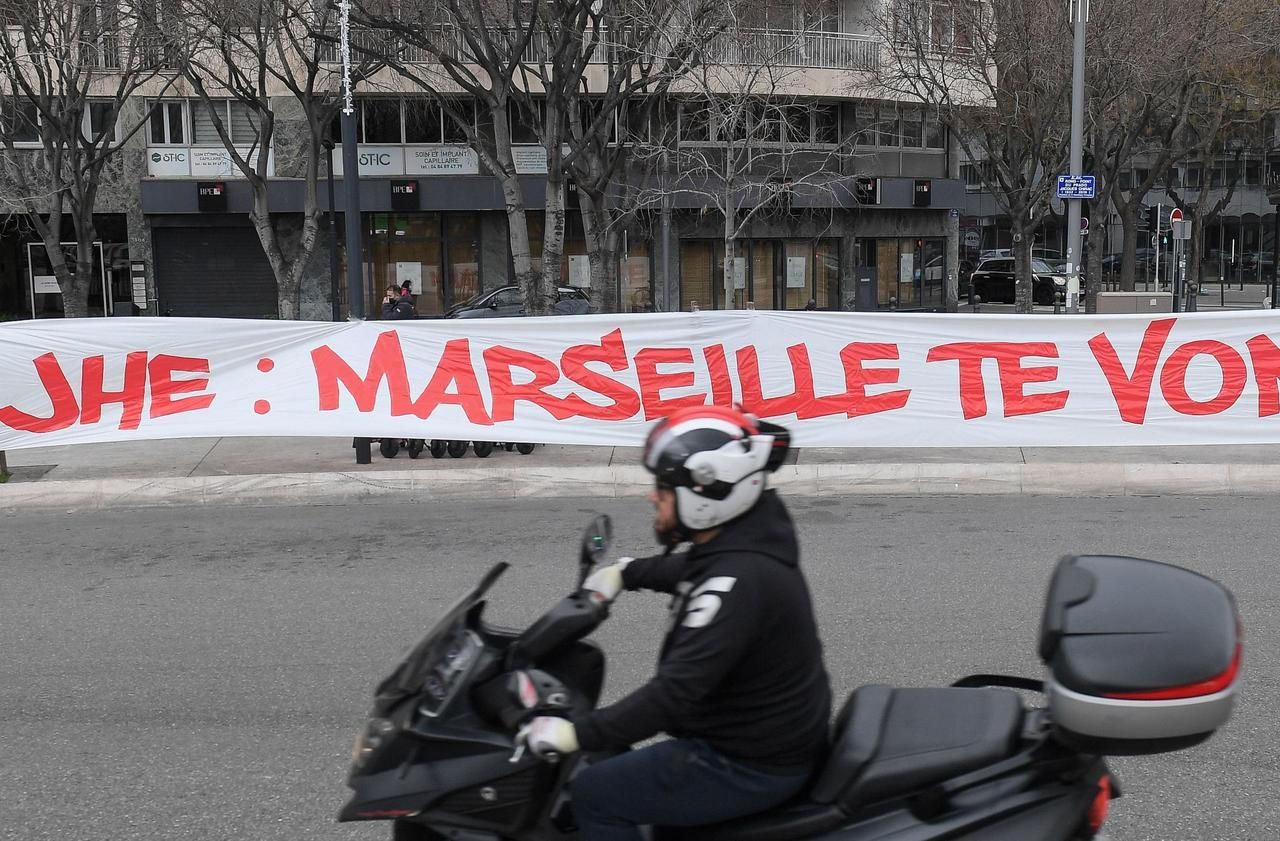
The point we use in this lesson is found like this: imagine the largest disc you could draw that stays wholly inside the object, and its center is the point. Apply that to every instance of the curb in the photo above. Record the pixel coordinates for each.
(1064, 479)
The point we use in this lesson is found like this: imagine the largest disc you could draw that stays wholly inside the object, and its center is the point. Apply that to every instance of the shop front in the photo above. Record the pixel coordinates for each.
(909, 272)
(767, 274)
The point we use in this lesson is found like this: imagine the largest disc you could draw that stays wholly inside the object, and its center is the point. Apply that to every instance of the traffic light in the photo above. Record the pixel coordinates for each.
(1151, 218)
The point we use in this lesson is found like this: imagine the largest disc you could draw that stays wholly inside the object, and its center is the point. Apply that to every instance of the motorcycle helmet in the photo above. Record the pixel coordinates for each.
(716, 461)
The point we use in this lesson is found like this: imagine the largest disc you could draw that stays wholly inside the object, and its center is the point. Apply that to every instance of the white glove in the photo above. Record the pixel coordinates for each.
(607, 581)
(549, 737)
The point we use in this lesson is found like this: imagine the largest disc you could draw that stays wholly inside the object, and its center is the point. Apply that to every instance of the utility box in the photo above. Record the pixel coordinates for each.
(1111, 303)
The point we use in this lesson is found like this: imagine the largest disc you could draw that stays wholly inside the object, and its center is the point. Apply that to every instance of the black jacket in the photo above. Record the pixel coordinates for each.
(741, 667)
(398, 310)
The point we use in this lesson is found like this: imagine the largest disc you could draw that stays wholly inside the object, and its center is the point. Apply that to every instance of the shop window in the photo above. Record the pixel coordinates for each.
(463, 235)
(21, 120)
(865, 125)
(236, 117)
(382, 121)
(525, 124)
(826, 124)
(826, 274)
(1195, 176)
(889, 127)
(935, 132)
(167, 124)
(700, 271)
(695, 122)
(452, 131)
(423, 121)
(1253, 172)
(637, 278)
(100, 121)
(913, 128)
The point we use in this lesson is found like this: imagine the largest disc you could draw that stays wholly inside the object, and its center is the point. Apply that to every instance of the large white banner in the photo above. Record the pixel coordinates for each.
(837, 379)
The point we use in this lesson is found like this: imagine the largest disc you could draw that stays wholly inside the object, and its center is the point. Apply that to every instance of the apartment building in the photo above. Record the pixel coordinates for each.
(176, 240)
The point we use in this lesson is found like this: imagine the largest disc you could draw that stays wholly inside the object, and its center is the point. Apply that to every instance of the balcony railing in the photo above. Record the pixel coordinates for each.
(788, 48)
(775, 47)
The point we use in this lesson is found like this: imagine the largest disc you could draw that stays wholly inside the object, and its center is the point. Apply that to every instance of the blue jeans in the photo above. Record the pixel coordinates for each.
(677, 783)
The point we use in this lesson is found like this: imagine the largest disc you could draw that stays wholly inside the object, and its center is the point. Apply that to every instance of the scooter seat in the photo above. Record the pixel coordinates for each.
(887, 743)
(890, 742)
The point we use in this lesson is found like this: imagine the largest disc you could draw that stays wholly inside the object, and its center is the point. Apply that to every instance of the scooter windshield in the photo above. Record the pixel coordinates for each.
(407, 678)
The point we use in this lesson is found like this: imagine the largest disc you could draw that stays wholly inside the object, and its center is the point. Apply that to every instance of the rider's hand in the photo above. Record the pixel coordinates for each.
(548, 736)
(607, 581)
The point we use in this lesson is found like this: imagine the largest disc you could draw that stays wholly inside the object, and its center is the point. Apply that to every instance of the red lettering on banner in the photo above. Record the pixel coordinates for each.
(386, 362)
(1173, 377)
(802, 401)
(163, 387)
(1265, 357)
(857, 378)
(624, 401)
(753, 394)
(66, 411)
(131, 397)
(721, 385)
(1014, 377)
(652, 383)
(1132, 392)
(499, 362)
(454, 369)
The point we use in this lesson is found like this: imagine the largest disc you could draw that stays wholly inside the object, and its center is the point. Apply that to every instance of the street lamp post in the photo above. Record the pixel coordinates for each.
(1080, 15)
(334, 295)
(351, 189)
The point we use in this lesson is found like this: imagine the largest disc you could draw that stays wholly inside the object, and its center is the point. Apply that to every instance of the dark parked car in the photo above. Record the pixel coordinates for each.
(994, 281)
(507, 301)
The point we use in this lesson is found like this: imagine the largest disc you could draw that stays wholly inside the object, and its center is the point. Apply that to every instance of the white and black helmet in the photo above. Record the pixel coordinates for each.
(715, 459)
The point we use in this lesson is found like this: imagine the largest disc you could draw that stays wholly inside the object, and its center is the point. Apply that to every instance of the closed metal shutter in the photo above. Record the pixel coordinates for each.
(213, 272)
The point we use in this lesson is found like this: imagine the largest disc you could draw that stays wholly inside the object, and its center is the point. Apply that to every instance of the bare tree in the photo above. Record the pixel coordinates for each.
(270, 60)
(70, 70)
(1164, 84)
(739, 136)
(464, 51)
(999, 74)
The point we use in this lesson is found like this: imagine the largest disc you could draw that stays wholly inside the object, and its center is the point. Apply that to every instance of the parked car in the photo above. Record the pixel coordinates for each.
(994, 281)
(508, 301)
(1250, 260)
(1144, 259)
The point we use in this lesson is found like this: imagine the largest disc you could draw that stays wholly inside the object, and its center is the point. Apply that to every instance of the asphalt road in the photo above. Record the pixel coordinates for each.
(199, 674)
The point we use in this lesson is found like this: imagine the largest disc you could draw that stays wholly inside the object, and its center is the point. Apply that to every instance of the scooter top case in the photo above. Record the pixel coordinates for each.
(1143, 657)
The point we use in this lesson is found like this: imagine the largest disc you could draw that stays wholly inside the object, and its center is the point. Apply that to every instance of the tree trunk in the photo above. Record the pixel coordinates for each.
(600, 254)
(1093, 269)
(1129, 261)
(1024, 239)
(552, 247)
(73, 283)
(286, 288)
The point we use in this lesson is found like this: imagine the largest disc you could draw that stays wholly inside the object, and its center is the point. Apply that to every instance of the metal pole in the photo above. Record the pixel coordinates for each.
(1155, 241)
(351, 208)
(351, 174)
(334, 295)
(1080, 10)
(1275, 258)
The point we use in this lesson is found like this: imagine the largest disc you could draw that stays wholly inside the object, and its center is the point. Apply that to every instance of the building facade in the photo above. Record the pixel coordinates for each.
(176, 238)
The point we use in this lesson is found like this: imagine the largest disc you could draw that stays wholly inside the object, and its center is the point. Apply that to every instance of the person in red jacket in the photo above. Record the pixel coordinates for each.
(740, 687)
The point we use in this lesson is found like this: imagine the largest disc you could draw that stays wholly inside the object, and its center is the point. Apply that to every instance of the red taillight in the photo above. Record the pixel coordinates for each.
(1101, 804)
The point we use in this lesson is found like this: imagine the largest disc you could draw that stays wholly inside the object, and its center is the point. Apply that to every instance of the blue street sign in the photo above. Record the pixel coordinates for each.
(1075, 186)
(955, 213)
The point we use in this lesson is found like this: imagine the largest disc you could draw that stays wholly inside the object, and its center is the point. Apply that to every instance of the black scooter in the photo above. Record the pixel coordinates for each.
(973, 762)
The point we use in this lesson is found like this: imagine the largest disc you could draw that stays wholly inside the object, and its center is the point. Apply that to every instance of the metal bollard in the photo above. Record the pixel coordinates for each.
(976, 302)
(4, 468)
(893, 302)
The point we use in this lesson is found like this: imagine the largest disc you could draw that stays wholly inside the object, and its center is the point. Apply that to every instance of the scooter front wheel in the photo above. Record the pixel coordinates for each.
(458, 449)
(416, 446)
(524, 449)
(437, 448)
(389, 447)
(482, 448)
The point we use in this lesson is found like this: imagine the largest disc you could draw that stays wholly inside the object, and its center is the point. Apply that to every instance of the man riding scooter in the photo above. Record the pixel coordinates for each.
(740, 685)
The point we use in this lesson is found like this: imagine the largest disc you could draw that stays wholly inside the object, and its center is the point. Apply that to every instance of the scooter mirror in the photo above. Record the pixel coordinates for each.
(595, 544)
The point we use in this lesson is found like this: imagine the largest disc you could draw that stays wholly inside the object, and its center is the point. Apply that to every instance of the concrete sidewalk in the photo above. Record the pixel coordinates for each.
(264, 471)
